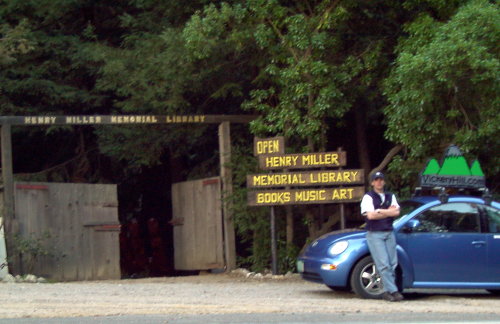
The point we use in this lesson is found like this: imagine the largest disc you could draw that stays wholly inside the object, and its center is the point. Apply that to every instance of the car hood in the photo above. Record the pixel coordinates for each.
(326, 240)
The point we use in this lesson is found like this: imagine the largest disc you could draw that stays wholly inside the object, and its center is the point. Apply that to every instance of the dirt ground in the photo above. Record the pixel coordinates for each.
(218, 294)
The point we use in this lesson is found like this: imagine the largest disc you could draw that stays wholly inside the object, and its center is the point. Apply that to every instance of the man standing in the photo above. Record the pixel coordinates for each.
(380, 208)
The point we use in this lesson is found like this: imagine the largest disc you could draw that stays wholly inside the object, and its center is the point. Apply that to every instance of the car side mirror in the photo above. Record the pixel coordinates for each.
(411, 225)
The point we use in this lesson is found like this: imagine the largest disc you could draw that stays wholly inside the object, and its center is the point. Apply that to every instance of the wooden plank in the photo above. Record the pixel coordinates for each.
(32, 202)
(100, 207)
(32, 186)
(104, 252)
(181, 195)
(4, 268)
(123, 119)
(202, 213)
(211, 225)
(76, 263)
(302, 161)
(312, 178)
(56, 213)
(227, 191)
(217, 221)
(176, 231)
(305, 196)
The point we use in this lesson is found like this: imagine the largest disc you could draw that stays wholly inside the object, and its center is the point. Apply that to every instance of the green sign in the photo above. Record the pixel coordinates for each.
(454, 172)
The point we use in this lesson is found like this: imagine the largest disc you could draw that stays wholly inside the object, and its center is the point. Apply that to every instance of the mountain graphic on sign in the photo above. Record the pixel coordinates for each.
(454, 164)
(453, 172)
(476, 170)
(432, 167)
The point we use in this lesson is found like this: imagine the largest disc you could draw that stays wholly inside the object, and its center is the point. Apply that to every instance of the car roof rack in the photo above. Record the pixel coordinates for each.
(444, 192)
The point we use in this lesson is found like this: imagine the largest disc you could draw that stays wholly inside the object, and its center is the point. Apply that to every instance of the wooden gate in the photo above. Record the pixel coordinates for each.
(75, 225)
(197, 220)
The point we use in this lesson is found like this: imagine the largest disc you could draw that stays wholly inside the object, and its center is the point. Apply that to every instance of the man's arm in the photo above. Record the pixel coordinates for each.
(392, 211)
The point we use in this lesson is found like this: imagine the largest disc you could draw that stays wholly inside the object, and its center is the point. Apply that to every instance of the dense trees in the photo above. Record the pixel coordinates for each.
(444, 87)
(396, 79)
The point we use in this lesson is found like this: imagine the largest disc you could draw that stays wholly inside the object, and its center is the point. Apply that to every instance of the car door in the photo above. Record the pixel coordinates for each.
(492, 219)
(446, 245)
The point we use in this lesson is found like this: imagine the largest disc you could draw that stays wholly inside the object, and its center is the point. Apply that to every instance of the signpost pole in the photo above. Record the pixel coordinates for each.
(274, 255)
(342, 210)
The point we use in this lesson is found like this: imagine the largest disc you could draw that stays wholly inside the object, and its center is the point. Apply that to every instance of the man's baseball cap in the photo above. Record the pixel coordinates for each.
(377, 175)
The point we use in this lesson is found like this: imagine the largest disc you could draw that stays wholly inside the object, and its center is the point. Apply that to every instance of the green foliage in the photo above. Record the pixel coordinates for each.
(444, 87)
(251, 223)
(287, 256)
(31, 248)
(295, 87)
(306, 67)
(13, 42)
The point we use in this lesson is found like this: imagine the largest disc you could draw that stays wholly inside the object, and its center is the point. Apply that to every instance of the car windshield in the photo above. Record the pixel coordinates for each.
(406, 207)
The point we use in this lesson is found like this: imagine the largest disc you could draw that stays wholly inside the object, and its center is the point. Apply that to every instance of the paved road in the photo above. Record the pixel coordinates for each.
(230, 299)
(272, 318)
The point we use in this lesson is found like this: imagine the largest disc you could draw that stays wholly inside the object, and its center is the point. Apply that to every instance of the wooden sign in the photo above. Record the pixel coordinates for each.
(274, 145)
(449, 181)
(305, 196)
(123, 119)
(302, 161)
(312, 178)
(454, 172)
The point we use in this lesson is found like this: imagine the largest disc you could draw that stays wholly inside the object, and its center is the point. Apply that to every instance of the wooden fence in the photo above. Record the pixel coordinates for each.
(66, 231)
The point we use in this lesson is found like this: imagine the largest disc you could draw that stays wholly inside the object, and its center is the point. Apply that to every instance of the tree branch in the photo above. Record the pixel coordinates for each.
(395, 150)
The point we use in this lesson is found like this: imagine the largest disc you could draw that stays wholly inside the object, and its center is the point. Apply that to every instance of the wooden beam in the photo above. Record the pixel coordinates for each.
(227, 191)
(124, 119)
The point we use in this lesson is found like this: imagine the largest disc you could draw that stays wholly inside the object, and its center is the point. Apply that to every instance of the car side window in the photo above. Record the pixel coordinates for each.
(449, 218)
(493, 219)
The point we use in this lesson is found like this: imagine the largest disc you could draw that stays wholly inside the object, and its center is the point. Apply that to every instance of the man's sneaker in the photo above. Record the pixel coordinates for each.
(388, 296)
(397, 296)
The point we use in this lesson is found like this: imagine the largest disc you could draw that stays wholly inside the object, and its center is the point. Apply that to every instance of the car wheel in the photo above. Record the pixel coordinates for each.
(365, 280)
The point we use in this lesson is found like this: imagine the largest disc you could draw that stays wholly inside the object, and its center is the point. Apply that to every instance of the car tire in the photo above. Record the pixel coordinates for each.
(365, 280)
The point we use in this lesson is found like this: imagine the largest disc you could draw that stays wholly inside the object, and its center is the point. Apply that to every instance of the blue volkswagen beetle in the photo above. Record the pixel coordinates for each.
(442, 243)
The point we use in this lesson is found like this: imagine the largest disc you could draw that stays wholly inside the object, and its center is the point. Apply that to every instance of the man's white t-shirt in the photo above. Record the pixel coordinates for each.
(367, 202)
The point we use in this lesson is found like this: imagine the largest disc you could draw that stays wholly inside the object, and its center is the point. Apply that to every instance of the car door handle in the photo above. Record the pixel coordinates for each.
(478, 243)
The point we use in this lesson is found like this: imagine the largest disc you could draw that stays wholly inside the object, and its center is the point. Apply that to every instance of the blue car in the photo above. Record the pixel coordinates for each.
(450, 242)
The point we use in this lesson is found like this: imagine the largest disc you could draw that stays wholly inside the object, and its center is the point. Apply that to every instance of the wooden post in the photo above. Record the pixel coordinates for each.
(342, 216)
(342, 209)
(7, 176)
(289, 224)
(227, 191)
(8, 185)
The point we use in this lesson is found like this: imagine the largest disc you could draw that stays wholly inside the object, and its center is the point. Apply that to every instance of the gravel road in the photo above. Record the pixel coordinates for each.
(219, 294)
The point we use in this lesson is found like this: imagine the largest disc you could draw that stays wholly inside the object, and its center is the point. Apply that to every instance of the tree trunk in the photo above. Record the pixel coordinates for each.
(363, 152)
